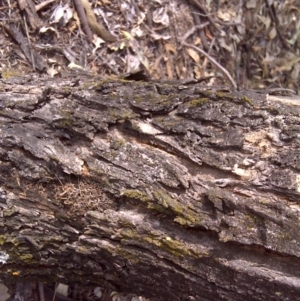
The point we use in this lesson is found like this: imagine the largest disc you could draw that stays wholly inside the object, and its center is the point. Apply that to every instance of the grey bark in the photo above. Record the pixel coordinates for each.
(172, 191)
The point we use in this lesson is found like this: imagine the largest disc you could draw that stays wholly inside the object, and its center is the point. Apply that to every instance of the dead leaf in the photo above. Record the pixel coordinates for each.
(225, 16)
(295, 37)
(197, 41)
(158, 36)
(295, 75)
(223, 44)
(208, 33)
(160, 15)
(169, 70)
(3, 292)
(194, 55)
(251, 3)
(170, 47)
(272, 33)
(133, 44)
(287, 65)
(52, 71)
(266, 20)
(62, 14)
(105, 2)
(197, 71)
(62, 289)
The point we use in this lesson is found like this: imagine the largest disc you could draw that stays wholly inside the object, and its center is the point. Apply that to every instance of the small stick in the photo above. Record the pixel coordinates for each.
(212, 60)
(192, 30)
(29, 43)
(41, 291)
(203, 9)
(83, 18)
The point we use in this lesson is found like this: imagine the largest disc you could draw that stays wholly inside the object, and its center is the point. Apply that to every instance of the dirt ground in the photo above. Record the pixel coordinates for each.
(246, 44)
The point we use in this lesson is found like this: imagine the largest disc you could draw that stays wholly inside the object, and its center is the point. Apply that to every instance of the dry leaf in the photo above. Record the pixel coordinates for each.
(3, 292)
(197, 41)
(62, 289)
(208, 33)
(295, 37)
(265, 20)
(197, 71)
(295, 75)
(133, 44)
(133, 63)
(287, 65)
(170, 48)
(137, 32)
(169, 70)
(52, 71)
(178, 67)
(251, 3)
(272, 33)
(105, 2)
(194, 55)
(62, 14)
(158, 36)
(160, 15)
(98, 291)
(225, 16)
(223, 44)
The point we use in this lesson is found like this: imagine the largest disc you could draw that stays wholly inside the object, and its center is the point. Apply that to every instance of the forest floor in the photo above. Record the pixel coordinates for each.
(245, 44)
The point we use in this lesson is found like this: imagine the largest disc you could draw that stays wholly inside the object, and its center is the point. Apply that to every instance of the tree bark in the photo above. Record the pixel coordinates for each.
(172, 191)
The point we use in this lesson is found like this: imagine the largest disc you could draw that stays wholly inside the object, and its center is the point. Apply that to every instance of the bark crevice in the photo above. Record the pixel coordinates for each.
(178, 192)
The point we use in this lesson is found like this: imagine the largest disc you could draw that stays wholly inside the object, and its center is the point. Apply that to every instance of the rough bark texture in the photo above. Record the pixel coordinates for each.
(177, 192)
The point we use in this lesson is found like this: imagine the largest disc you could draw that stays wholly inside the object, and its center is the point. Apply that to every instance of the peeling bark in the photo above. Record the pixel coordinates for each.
(172, 191)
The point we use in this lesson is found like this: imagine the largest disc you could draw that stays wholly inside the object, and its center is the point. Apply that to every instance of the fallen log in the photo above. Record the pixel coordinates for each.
(172, 191)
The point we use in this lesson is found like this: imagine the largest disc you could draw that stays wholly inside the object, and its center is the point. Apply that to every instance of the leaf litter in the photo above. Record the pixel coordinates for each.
(257, 42)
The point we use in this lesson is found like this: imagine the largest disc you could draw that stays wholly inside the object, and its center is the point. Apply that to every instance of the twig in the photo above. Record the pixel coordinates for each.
(209, 50)
(105, 62)
(237, 67)
(218, 21)
(275, 20)
(41, 291)
(212, 60)
(96, 26)
(227, 23)
(9, 10)
(83, 18)
(42, 5)
(56, 285)
(274, 91)
(204, 11)
(192, 30)
(29, 43)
